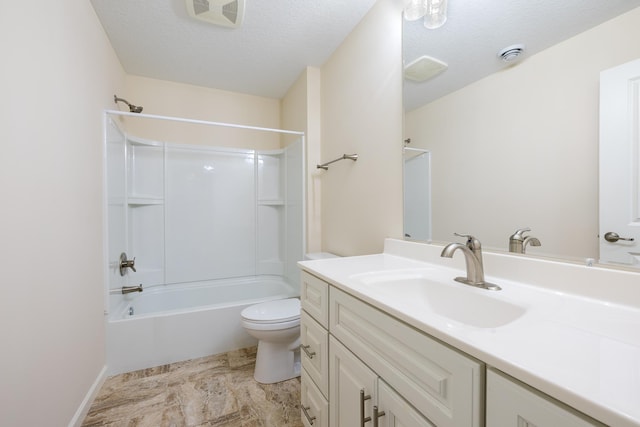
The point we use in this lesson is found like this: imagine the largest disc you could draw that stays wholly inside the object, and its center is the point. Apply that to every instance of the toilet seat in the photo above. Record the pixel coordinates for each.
(278, 311)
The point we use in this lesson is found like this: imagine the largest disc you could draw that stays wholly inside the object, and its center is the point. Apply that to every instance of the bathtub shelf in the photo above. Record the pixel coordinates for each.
(145, 201)
(276, 202)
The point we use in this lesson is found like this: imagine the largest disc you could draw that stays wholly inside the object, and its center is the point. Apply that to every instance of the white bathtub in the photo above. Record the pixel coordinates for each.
(171, 323)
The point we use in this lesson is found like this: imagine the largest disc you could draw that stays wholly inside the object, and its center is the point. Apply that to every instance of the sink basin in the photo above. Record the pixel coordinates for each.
(444, 297)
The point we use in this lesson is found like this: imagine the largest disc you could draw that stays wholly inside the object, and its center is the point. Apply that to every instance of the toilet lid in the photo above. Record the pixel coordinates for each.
(281, 310)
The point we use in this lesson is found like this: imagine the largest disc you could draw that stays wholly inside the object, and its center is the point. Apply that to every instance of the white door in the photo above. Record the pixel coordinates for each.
(397, 412)
(352, 387)
(620, 164)
(417, 194)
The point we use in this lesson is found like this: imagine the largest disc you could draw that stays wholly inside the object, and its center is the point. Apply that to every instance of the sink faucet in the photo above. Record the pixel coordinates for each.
(518, 241)
(472, 252)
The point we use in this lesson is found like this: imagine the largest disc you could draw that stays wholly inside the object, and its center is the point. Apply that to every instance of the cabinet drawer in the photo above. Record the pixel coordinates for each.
(513, 404)
(445, 385)
(314, 409)
(314, 298)
(314, 354)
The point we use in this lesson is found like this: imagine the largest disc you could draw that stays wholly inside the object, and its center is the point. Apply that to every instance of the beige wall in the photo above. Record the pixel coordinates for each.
(520, 148)
(301, 111)
(166, 98)
(362, 113)
(58, 74)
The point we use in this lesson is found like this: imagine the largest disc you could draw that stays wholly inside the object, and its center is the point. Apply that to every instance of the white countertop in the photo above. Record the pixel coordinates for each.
(581, 350)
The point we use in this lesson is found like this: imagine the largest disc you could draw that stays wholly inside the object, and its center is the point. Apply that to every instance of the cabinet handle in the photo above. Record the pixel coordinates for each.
(362, 399)
(306, 414)
(376, 415)
(306, 348)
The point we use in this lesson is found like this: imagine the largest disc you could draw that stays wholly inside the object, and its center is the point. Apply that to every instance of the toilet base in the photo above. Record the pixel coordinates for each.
(276, 362)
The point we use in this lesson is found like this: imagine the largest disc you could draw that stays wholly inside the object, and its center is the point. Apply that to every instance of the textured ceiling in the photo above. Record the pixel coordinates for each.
(264, 57)
(279, 38)
(476, 30)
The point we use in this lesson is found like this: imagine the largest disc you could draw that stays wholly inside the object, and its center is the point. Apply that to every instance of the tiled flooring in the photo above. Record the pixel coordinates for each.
(212, 391)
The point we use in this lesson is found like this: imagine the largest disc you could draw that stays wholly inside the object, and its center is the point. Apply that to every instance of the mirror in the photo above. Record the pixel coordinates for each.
(417, 194)
(517, 145)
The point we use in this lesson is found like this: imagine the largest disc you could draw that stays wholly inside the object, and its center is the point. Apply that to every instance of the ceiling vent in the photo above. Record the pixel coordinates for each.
(424, 68)
(511, 53)
(218, 12)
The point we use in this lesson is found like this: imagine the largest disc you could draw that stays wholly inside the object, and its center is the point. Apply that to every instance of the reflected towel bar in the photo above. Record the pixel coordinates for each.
(325, 166)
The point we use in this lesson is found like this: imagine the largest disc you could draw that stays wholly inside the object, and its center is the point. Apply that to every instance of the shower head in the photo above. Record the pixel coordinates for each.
(132, 108)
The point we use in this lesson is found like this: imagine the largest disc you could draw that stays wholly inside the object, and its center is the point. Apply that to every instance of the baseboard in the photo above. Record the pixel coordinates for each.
(83, 410)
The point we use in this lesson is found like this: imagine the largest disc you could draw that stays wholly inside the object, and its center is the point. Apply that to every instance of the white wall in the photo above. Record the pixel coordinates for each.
(301, 107)
(58, 73)
(520, 148)
(362, 113)
(166, 98)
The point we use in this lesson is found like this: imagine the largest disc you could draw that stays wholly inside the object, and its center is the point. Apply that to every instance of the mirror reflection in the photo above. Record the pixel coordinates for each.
(518, 147)
(417, 194)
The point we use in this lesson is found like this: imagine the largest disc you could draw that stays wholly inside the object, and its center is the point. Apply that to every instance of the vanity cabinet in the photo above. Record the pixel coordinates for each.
(511, 403)
(358, 396)
(446, 385)
(414, 379)
(314, 351)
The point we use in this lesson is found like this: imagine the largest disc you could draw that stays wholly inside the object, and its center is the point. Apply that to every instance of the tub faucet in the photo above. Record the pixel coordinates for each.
(472, 252)
(518, 241)
(130, 289)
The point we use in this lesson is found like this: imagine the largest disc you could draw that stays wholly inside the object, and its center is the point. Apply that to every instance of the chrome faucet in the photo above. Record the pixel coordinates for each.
(472, 252)
(130, 289)
(518, 241)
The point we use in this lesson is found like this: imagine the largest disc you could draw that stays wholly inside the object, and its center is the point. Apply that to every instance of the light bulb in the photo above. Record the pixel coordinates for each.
(436, 14)
(414, 9)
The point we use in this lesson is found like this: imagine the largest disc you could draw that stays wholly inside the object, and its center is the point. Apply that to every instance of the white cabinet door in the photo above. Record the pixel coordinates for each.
(620, 163)
(444, 384)
(397, 412)
(314, 351)
(314, 409)
(349, 376)
(512, 404)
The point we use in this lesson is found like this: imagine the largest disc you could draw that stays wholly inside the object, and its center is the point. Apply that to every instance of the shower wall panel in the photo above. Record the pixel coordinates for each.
(116, 200)
(199, 213)
(210, 229)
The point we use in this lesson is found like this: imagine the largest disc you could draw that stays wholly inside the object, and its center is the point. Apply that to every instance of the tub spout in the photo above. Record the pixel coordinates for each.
(129, 289)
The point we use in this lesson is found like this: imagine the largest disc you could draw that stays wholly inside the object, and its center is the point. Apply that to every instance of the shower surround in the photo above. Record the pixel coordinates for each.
(212, 230)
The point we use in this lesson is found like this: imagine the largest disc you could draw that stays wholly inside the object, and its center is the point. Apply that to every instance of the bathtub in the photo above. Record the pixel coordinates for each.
(170, 323)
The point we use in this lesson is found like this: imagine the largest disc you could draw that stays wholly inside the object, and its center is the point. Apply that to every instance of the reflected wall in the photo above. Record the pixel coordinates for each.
(520, 147)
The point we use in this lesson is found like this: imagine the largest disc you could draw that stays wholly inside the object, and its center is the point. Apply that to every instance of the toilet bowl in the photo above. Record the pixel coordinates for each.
(276, 325)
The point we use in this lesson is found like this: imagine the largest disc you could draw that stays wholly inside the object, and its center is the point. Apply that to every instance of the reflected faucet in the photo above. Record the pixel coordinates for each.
(518, 241)
(472, 252)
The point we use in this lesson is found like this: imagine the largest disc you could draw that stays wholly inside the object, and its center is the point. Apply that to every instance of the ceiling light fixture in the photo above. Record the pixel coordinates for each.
(434, 12)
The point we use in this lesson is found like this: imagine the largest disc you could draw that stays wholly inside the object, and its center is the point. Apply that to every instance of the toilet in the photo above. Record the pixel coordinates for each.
(276, 325)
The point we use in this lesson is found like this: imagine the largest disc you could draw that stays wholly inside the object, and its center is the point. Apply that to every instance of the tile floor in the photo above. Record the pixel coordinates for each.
(216, 390)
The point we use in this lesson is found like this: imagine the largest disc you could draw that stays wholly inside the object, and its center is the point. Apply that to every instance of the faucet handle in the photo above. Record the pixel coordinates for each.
(472, 242)
(468, 236)
(519, 232)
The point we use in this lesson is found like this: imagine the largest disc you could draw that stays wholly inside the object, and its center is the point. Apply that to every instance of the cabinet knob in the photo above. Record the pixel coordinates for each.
(309, 418)
(306, 348)
(376, 415)
(362, 399)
